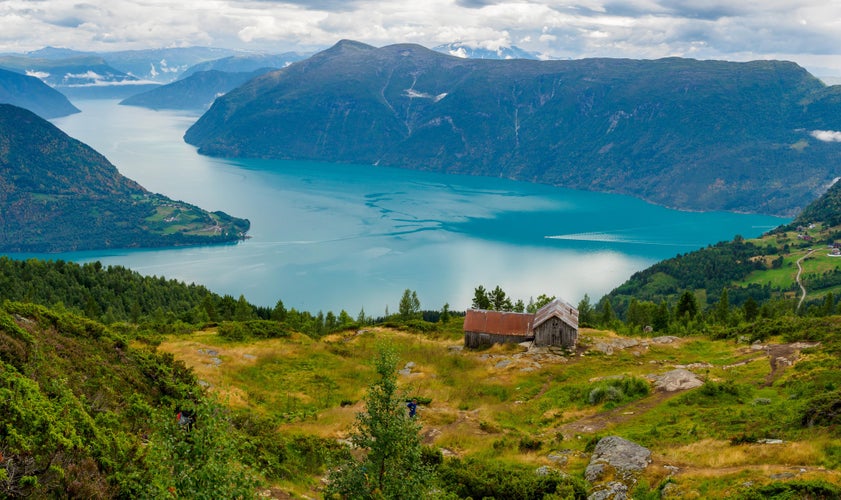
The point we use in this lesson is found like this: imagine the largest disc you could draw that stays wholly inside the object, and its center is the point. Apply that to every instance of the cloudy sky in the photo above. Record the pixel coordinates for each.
(805, 31)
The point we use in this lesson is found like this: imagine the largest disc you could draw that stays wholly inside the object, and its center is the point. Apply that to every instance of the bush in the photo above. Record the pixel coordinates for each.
(618, 390)
(823, 410)
(530, 444)
(470, 478)
(813, 490)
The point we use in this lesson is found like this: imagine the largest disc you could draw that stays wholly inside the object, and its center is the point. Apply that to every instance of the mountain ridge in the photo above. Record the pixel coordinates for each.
(696, 135)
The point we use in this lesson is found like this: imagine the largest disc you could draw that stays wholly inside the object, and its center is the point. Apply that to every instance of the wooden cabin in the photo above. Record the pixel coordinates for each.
(555, 324)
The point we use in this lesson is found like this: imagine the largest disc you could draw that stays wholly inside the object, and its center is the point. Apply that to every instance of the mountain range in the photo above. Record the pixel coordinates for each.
(57, 194)
(698, 135)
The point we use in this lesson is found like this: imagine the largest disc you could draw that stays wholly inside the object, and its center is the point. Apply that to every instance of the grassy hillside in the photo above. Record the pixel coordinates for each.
(511, 408)
(89, 408)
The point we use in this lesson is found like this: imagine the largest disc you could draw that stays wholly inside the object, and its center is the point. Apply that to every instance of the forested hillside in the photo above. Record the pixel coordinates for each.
(756, 277)
(58, 194)
(701, 135)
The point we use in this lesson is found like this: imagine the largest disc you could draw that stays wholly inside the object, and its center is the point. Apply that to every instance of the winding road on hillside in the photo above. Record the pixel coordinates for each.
(799, 282)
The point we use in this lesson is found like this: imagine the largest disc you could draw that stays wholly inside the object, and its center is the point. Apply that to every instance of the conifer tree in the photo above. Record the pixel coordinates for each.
(392, 467)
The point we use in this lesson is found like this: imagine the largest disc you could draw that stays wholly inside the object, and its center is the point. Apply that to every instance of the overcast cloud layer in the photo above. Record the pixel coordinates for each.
(805, 31)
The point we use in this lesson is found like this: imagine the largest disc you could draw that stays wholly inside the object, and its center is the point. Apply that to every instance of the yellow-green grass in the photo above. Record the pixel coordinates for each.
(486, 404)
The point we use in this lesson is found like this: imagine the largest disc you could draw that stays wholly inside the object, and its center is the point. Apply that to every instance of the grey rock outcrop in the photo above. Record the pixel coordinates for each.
(676, 380)
(618, 459)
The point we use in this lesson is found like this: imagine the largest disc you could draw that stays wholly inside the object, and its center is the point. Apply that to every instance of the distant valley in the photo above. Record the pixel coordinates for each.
(697, 135)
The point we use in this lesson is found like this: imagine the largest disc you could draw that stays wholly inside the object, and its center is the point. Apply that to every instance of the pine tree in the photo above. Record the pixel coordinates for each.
(392, 467)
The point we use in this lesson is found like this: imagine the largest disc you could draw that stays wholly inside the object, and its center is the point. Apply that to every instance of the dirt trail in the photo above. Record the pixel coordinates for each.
(797, 278)
(595, 423)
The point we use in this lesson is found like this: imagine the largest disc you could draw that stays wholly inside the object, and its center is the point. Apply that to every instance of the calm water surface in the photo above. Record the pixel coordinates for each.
(331, 237)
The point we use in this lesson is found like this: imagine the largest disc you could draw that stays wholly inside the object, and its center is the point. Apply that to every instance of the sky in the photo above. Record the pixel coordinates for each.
(805, 31)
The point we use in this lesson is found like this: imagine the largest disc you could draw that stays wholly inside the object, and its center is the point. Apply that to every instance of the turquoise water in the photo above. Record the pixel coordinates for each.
(331, 237)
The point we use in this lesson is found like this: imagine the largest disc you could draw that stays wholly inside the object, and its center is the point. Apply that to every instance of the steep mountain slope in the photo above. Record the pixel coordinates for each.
(33, 94)
(679, 132)
(57, 194)
(195, 92)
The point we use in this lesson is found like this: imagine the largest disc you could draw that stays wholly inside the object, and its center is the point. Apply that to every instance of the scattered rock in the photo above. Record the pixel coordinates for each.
(544, 470)
(761, 401)
(672, 469)
(782, 475)
(770, 441)
(626, 458)
(594, 472)
(676, 380)
(558, 458)
(665, 339)
(804, 345)
(619, 460)
(695, 366)
(215, 361)
(249, 356)
(614, 344)
(407, 370)
(502, 364)
(613, 490)
(204, 384)
(455, 348)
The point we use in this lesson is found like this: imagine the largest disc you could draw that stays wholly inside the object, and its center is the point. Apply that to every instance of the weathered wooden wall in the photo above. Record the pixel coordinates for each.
(473, 340)
(554, 332)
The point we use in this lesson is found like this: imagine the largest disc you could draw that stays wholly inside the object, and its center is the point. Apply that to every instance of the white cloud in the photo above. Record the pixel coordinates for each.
(826, 135)
(807, 31)
(37, 74)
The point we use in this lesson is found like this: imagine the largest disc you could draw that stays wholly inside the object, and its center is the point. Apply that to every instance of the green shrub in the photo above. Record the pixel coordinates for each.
(793, 490)
(530, 444)
(618, 390)
(471, 478)
(823, 410)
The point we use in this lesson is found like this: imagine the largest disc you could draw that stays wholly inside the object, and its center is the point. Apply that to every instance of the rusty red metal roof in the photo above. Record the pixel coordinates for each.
(498, 322)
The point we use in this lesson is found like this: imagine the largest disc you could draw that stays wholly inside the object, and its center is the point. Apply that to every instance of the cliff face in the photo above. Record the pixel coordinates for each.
(702, 135)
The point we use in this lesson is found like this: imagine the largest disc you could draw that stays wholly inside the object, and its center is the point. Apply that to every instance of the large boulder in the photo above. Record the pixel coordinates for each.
(619, 460)
(679, 379)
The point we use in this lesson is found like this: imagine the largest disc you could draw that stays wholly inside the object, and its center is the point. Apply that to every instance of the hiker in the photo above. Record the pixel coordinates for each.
(413, 407)
(185, 419)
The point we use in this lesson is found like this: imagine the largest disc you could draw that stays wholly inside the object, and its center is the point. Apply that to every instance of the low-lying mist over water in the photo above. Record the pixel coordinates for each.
(331, 237)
